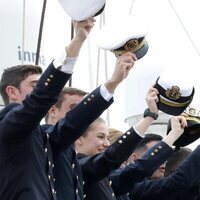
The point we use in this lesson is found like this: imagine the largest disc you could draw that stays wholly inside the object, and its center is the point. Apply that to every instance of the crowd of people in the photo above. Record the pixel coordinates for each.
(75, 155)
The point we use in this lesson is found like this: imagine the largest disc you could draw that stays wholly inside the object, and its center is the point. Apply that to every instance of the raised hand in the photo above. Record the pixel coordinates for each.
(83, 28)
(178, 124)
(152, 99)
(123, 66)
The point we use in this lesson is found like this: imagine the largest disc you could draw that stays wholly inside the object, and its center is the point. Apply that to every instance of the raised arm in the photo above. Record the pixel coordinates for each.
(124, 179)
(25, 117)
(99, 166)
(76, 121)
(177, 184)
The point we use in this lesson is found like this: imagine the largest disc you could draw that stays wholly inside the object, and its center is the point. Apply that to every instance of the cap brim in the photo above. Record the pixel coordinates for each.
(170, 110)
(142, 51)
(100, 11)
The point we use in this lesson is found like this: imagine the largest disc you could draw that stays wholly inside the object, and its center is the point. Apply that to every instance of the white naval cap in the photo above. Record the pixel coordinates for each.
(126, 35)
(175, 94)
(80, 10)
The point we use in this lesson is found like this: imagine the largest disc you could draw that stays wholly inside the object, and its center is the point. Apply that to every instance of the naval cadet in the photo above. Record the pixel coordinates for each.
(26, 151)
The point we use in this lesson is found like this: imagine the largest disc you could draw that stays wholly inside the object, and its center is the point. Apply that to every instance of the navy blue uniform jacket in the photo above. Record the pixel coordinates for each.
(26, 150)
(182, 184)
(120, 181)
(71, 175)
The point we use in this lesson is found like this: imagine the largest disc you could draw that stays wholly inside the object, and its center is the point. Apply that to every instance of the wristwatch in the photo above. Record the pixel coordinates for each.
(148, 113)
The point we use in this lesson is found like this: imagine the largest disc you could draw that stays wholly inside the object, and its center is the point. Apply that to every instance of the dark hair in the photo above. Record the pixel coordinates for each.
(141, 146)
(176, 159)
(66, 91)
(13, 76)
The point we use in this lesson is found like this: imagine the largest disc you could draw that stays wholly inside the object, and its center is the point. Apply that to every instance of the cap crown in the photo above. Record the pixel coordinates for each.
(80, 10)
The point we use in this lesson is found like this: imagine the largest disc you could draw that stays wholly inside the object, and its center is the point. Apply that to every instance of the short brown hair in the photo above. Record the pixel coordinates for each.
(69, 91)
(13, 76)
(66, 91)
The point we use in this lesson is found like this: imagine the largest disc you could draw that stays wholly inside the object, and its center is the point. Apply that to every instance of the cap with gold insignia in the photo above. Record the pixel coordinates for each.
(192, 131)
(80, 10)
(175, 94)
(128, 35)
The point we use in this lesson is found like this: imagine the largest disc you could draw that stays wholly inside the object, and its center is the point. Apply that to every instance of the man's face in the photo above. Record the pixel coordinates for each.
(159, 173)
(68, 103)
(26, 87)
(96, 140)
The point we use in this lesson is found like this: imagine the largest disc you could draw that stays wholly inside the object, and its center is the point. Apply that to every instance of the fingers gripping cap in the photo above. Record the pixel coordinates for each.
(191, 132)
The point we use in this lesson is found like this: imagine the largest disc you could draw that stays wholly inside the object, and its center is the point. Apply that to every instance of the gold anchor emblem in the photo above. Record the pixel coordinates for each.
(131, 45)
(173, 93)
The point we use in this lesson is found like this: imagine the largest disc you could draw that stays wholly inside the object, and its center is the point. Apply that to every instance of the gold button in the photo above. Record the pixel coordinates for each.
(48, 80)
(124, 136)
(120, 141)
(156, 150)
(45, 150)
(128, 133)
(152, 154)
(51, 76)
(92, 96)
(46, 84)
(65, 62)
(160, 147)
(110, 183)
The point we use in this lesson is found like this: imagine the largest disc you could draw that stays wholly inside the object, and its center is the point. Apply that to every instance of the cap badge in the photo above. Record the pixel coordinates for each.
(131, 45)
(173, 93)
(192, 112)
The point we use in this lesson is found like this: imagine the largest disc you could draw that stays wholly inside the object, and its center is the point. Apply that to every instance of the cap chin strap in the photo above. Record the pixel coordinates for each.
(172, 104)
(193, 119)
